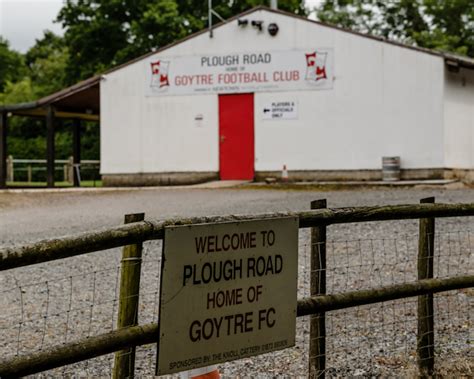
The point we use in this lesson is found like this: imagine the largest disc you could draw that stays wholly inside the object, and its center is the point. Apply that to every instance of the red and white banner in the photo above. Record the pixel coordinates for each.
(292, 70)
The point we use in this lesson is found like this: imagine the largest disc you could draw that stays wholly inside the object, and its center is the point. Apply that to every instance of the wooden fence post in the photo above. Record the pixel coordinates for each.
(317, 336)
(65, 173)
(10, 169)
(124, 366)
(50, 145)
(425, 337)
(29, 173)
(70, 172)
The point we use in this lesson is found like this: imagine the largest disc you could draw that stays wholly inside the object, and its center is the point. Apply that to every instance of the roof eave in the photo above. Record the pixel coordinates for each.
(53, 98)
(456, 63)
(18, 107)
(68, 91)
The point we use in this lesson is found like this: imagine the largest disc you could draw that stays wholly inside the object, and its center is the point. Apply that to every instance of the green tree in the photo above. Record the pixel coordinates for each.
(11, 64)
(26, 136)
(17, 92)
(102, 34)
(159, 24)
(37, 73)
(446, 25)
(47, 61)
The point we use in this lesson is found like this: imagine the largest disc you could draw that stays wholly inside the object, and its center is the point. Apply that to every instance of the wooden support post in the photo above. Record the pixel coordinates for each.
(425, 338)
(128, 302)
(3, 149)
(50, 147)
(317, 336)
(76, 141)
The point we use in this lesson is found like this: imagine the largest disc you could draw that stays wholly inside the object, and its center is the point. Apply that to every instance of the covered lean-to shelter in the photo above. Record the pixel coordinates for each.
(79, 103)
(270, 89)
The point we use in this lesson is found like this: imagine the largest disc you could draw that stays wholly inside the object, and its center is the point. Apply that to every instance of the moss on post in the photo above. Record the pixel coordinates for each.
(124, 366)
(317, 336)
(425, 337)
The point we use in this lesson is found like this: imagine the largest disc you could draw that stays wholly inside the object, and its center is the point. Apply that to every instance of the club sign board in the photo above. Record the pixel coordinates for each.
(239, 72)
(228, 291)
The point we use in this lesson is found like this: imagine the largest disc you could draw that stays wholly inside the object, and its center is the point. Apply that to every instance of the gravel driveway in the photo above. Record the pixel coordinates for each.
(47, 304)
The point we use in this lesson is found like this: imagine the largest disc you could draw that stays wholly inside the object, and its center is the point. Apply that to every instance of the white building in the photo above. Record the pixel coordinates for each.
(326, 102)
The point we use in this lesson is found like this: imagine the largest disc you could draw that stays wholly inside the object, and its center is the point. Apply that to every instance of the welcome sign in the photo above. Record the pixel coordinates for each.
(228, 291)
(310, 69)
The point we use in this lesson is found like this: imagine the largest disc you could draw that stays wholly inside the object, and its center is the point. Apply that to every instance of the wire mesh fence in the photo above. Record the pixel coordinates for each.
(39, 314)
(51, 304)
(381, 339)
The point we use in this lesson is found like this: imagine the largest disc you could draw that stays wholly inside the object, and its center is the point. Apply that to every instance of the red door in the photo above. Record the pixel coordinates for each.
(236, 139)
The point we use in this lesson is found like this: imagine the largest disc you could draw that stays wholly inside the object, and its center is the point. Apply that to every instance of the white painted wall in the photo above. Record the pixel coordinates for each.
(155, 134)
(459, 119)
(386, 100)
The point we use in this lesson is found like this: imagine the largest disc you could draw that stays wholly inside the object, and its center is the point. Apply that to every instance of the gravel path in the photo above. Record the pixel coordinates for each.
(78, 295)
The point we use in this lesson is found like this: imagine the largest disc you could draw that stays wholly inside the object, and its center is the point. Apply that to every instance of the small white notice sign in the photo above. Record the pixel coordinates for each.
(228, 291)
(280, 110)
